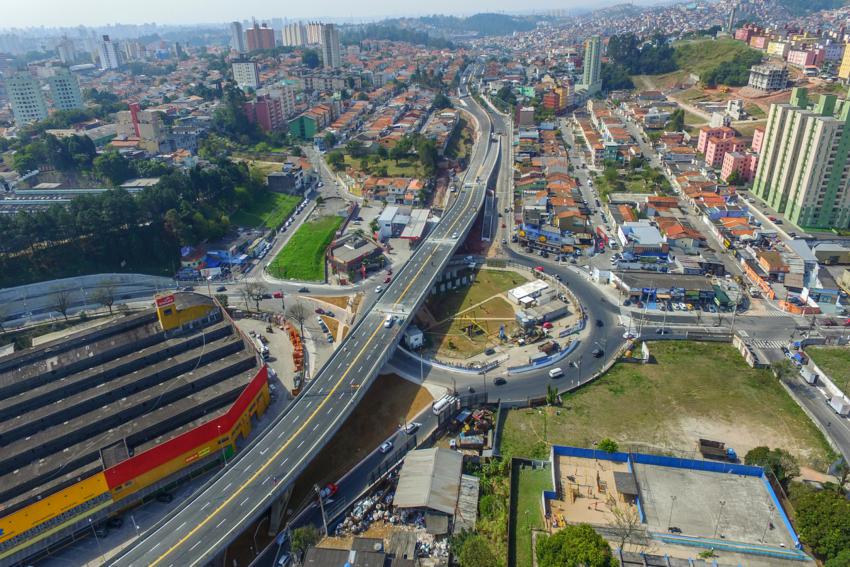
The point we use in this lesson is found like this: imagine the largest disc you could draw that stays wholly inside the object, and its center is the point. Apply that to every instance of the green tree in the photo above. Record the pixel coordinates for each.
(304, 538)
(734, 179)
(842, 559)
(677, 120)
(329, 139)
(608, 445)
(310, 58)
(441, 101)
(476, 552)
(222, 298)
(782, 464)
(112, 167)
(354, 148)
(574, 546)
(822, 519)
(336, 160)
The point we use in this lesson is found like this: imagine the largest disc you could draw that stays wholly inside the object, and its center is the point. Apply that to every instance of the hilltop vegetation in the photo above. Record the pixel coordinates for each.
(798, 7)
(722, 61)
(483, 24)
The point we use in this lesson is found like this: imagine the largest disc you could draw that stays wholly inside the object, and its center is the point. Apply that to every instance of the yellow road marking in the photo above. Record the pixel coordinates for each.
(274, 456)
(309, 419)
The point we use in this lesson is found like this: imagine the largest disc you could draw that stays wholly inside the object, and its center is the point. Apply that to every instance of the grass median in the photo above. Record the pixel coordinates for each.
(835, 361)
(303, 257)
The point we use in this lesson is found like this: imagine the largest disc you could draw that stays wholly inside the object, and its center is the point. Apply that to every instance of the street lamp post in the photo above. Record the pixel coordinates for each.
(260, 523)
(96, 539)
(670, 516)
(223, 452)
(719, 516)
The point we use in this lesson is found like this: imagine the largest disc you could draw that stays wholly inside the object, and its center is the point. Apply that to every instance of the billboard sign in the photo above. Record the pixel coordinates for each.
(164, 300)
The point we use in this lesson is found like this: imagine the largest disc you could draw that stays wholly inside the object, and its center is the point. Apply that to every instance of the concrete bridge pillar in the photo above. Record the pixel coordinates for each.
(277, 511)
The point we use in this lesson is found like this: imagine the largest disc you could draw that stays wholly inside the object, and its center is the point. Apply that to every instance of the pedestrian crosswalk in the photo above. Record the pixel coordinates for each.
(768, 343)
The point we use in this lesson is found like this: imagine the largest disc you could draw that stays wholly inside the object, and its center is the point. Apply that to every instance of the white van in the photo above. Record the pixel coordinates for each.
(388, 321)
(555, 372)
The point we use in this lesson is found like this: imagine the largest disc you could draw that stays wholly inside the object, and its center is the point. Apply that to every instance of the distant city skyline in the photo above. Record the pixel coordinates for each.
(61, 13)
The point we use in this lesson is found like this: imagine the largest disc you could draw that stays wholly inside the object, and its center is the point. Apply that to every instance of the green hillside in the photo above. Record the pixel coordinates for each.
(701, 56)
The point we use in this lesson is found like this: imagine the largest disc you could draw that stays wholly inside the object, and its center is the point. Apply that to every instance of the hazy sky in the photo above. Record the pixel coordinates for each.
(54, 13)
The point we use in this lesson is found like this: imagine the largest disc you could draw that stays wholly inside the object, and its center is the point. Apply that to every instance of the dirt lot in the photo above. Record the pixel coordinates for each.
(694, 390)
(340, 301)
(388, 402)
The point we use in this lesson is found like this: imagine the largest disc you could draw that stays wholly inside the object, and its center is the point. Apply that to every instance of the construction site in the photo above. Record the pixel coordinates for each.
(118, 413)
(656, 504)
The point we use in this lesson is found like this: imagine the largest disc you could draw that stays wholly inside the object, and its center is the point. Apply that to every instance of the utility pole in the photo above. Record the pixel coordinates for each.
(322, 508)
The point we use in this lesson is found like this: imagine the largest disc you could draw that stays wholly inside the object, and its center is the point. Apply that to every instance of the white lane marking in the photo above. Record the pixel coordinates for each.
(243, 502)
(180, 526)
(204, 506)
(315, 427)
(197, 543)
(284, 461)
(299, 445)
(226, 487)
(264, 451)
(218, 525)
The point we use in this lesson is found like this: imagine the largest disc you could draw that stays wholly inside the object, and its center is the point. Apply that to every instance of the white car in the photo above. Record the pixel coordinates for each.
(385, 447)
(379, 289)
(411, 427)
(455, 235)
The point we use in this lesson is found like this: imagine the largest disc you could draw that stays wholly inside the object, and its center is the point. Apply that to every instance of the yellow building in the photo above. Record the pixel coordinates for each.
(778, 48)
(178, 310)
(844, 69)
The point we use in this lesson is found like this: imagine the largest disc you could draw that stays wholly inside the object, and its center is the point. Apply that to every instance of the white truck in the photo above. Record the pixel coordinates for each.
(261, 348)
(443, 404)
(840, 405)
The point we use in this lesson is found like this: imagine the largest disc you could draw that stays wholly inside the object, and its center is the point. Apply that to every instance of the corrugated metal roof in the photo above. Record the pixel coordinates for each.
(430, 478)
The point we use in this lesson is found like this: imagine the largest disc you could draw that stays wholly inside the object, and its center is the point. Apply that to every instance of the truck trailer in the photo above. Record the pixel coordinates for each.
(717, 450)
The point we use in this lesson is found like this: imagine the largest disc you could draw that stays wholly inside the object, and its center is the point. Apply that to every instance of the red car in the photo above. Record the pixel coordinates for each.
(388, 279)
(539, 269)
(278, 295)
(547, 325)
(320, 311)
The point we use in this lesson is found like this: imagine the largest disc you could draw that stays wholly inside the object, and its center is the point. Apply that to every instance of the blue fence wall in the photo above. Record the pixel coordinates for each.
(691, 464)
(560, 355)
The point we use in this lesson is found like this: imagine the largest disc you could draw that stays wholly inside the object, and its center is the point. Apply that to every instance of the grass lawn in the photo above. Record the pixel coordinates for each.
(835, 361)
(665, 81)
(755, 111)
(529, 513)
(487, 284)
(270, 211)
(303, 257)
(451, 340)
(694, 390)
(691, 118)
(700, 56)
(404, 168)
(448, 335)
(461, 142)
(748, 128)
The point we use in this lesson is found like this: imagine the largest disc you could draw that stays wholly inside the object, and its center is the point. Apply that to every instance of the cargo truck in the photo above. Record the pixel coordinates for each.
(841, 405)
(717, 450)
(443, 404)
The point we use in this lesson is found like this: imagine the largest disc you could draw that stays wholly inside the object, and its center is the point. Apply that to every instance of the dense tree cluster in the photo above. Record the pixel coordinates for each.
(734, 73)
(65, 154)
(615, 77)
(357, 34)
(574, 546)
(642, 57)
(118, 231)
(782, 464)
(483, 24)
(822, 517)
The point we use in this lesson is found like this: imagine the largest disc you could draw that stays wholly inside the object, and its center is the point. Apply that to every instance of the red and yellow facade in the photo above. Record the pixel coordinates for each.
(128, 477)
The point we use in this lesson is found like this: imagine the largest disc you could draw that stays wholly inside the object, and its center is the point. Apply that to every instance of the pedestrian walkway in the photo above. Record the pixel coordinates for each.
(768, 343)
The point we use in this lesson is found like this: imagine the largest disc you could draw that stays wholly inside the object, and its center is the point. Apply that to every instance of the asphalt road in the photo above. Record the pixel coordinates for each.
(215, 515)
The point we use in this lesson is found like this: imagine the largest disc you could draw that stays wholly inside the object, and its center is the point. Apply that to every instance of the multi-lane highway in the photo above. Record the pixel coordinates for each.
(240, 493)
